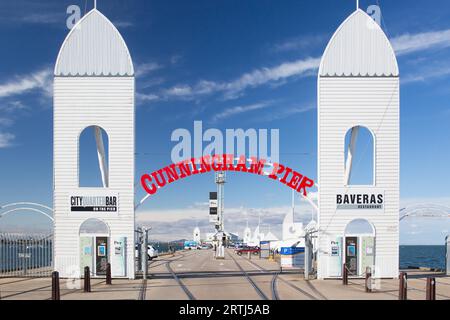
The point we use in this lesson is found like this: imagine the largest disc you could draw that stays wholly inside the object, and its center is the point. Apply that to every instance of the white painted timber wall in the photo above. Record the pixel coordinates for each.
(373, 102)
(80, 102)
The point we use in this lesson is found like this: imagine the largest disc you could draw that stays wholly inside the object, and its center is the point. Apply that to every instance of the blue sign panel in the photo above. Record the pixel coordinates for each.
(291, 250)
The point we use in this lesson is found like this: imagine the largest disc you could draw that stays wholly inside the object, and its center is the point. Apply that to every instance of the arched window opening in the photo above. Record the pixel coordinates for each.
(94, 226)
(359, 227)
(359, 157)
(93, 158)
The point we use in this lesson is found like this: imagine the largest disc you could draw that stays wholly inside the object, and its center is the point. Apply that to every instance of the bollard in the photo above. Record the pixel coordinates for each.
(108, 274)
(403, 286)
(55, 286)
(249, 254)
(368, 279)
(87, 279)
(344, 275)
(431, 289)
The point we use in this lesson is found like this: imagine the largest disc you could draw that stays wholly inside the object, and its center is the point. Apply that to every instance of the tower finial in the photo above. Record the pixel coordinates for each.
(95, 4)
(357, 4)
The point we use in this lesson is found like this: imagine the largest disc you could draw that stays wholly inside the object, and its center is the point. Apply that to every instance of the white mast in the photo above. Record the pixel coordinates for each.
(350, 153)
(101, 156)
(220, 181)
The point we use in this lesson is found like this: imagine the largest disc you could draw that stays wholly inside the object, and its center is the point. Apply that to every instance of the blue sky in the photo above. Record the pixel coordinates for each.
(199, 60)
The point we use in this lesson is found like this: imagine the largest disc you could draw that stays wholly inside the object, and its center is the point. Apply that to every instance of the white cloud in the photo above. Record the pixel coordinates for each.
(410, 43)
(12, 106)
(44, 18)
(180, 91)
(170, 224)
(5, 122)
(427, 73)
(143, 97)
(123, 24)
(40, 80)
(283, 113)
(253, 79)
(175, 59)
(6, 139)
(146, 68)
(233, 111)
(299, 43)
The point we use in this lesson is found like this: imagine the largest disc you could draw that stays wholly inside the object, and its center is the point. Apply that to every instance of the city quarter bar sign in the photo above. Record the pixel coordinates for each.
(152, 182)
(91, 203)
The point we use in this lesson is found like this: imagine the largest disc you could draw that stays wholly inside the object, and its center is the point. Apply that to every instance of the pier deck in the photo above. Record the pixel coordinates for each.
(190, 275)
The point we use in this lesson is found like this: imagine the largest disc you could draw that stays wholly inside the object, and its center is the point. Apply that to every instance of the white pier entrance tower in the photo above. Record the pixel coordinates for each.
(94, 93)
(358, 89)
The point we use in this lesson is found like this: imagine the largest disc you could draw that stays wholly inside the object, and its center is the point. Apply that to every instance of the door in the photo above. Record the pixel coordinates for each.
(367, 254)
(86, 254)
(351, 255)
(335, 257)
(101, 255)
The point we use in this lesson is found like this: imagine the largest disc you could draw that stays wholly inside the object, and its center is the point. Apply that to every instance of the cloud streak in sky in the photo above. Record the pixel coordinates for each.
(410, 43)
(234, 111)
(6, 139)
(253, 79)
(144, 69)
(39, 80)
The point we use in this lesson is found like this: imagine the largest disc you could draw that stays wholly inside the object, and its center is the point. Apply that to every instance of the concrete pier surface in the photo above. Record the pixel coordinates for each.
(196, 275)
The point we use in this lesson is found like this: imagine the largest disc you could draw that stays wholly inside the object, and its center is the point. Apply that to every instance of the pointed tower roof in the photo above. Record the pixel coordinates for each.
(359, 47)
(94, 47)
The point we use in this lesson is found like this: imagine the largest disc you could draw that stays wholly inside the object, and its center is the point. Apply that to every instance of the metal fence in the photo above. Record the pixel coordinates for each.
(26, 255)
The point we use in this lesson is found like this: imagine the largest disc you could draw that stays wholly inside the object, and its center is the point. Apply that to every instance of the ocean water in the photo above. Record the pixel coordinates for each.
(422, 256)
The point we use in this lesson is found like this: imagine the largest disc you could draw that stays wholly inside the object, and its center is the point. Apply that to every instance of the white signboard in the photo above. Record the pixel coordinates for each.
(355, 199)
(118, 255)
(335, 257)
(95, 202)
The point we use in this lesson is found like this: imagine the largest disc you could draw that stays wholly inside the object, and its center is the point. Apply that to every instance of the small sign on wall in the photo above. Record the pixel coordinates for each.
(118, 257)
(213, 205)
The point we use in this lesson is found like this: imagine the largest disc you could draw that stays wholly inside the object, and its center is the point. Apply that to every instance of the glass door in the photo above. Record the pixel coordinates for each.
(101, 255)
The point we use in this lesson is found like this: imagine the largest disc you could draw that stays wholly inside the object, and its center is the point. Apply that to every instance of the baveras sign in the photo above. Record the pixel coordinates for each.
(360, 200)
(152, 182)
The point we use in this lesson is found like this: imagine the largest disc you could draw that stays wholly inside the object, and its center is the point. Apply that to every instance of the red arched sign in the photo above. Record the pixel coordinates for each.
(151, 182)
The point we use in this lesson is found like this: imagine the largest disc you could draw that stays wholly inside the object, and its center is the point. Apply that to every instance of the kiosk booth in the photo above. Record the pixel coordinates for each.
(94, 92)
(358, 88)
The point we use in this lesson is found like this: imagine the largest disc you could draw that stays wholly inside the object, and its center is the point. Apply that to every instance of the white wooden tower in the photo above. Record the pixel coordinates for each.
(358, 86)
(94, 87)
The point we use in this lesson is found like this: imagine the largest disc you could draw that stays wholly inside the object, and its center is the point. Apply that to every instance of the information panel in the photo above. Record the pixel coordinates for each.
(213, 204)
(292, 257)
(265, 249)
(118, 254)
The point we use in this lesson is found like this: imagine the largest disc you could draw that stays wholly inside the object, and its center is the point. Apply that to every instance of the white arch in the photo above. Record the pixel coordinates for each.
(98, 220)
(354, 132)
(27, 209)
(103, 163)
(359, 32)
(373, 233)
(26, 203)
(76, 52)
(425, 210)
